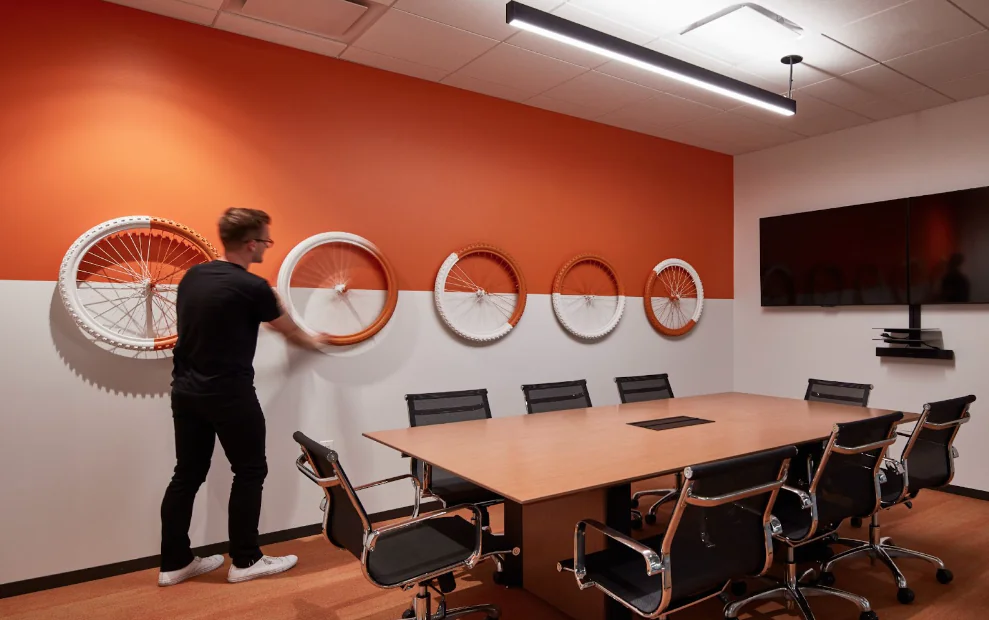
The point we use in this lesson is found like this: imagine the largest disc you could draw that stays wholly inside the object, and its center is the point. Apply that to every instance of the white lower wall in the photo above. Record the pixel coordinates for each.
(777, 349)
(86, 446)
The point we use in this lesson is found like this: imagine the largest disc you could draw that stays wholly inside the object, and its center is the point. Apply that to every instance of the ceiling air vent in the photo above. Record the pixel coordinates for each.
(331, 18)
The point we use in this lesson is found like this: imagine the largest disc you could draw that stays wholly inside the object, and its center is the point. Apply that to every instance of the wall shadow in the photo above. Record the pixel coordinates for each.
(121, 372)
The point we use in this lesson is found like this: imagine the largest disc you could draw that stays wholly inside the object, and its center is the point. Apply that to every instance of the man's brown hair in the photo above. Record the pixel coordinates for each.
(239, 226)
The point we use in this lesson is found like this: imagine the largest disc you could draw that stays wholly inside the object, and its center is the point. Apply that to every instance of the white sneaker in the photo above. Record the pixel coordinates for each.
(267, 565)
(198, 566)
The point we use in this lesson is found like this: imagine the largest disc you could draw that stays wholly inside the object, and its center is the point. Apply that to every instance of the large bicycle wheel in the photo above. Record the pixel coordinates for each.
(588, 297)
(338, 284)
(480, 293)
(674, 297)
(119, 280)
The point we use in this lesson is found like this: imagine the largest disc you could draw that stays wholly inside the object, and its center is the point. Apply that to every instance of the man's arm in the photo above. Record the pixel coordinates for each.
(288, 328)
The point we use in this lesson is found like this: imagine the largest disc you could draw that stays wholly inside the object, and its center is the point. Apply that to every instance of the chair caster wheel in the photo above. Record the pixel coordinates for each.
(498, 577)
(856, 522)
(409, 613)
(635, 503)
(905, 596)
(868, 615)
(739, 588)
(826, 580)
(651, 519)
(944, 575)
(636, 523)
(887, 542)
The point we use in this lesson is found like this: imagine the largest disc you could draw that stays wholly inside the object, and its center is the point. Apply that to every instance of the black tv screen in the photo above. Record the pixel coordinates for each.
(949, 247)
(836, 257)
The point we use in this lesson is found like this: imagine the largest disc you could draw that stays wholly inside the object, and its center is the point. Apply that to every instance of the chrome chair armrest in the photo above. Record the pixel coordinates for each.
(955, 453)
(805, 499)
(302, 465)
(896, 465)
(654, 562)
(375, 534)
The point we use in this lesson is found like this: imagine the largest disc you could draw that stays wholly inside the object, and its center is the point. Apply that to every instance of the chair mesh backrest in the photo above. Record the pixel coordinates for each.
(445, 407)
(644, 387)
(838, 393)
(714, 544)
(346, 518)
(846, 485)
(929, 460)
(543, 397)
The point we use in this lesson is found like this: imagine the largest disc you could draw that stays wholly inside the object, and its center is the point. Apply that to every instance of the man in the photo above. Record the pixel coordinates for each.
(220, 307)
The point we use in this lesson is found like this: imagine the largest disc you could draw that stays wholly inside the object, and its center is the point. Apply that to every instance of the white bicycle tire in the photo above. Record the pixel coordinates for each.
(444, 311)
(558, 297)
(70, 268)
(307, 245)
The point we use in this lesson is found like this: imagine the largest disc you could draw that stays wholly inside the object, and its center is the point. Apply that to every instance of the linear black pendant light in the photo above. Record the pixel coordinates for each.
(566, 31)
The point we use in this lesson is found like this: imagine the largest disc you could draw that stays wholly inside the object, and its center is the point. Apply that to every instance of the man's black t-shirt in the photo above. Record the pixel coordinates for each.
(220, 308)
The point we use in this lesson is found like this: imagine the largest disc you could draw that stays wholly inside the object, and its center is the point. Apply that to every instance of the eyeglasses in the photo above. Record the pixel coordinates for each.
(266, 242)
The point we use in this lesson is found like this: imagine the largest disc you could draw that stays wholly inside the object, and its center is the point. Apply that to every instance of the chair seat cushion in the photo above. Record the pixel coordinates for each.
(455, 490)
(893, 487)
(421, 549)
(794, 518)
(622, 572)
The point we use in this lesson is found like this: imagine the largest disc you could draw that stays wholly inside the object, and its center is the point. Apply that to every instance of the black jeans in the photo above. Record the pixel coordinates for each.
(239, 424)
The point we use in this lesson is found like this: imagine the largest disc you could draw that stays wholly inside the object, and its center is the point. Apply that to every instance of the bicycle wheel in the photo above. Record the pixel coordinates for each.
(480, 293)
(588, 297)
(338, 284)
(119, 279)
(674, 297)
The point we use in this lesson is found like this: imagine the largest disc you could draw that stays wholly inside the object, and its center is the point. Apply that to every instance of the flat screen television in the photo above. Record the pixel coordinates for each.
(949, 247)
(836, 257)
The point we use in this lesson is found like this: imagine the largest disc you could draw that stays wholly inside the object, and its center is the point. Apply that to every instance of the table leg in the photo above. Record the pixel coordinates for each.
(618, 516)
(513, 574)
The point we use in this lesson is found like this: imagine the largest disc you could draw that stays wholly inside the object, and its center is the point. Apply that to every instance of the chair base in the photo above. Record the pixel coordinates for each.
(422, 608)
(880, 548)
(796, 593)
(665, 495)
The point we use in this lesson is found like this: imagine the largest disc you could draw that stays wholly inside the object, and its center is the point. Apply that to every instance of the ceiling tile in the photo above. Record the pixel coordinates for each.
(561, 51)
(661, 110)
(209, 4)
(643, 17)
(599, 21)
(232, 22)
(814, 116)
(563, 107)
(907, 28)
(521, 69)
(600, 92)
(396, 65)
(692, 134)
(483, 17)
(731, 134)
(492, 89)
(403, 35)
(828, 15)
(968, 87)
(947, 62)
(979, 9)
(900, 104)
(861, 86)
(823, 60)
(173, 8)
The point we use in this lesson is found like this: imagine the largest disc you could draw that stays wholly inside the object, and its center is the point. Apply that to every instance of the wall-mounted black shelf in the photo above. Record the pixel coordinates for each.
(914, 341)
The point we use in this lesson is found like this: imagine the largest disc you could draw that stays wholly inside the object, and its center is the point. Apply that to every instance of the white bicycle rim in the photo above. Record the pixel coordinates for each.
(89, 305)
(488, 327)
(666, 312)
(292, 261)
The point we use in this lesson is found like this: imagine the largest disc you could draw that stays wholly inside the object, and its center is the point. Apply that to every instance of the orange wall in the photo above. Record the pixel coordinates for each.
(108, 111)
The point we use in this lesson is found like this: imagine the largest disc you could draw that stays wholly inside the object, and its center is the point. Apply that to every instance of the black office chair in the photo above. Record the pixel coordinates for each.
(838, 392)
(421, 551)
(636, 390)
(927, 462)
(845, 484)
(543, 397)
(721, 530)
(444, 408)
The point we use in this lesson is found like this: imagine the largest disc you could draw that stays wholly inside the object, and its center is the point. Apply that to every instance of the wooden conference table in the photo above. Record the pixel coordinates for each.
(556, 468)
